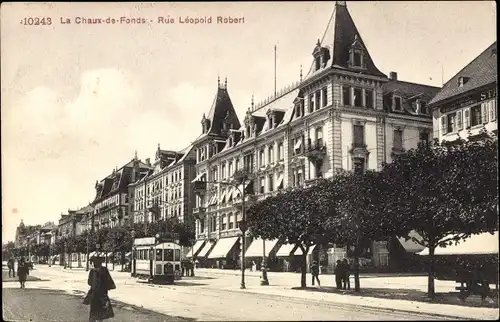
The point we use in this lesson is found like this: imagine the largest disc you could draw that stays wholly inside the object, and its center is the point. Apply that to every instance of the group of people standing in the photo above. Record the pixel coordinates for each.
(342, 273)
(23, 270)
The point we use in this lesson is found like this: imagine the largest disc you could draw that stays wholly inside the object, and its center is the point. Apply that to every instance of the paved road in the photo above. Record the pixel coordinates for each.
(52, 305)
(6, 278)
(207, 299)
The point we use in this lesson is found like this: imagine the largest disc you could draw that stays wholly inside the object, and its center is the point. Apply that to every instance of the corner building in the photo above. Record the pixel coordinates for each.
(467, 104)
(344, 114)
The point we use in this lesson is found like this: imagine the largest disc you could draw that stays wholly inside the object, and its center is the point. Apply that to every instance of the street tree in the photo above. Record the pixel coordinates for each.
(359, 202)
(445, 192)
(298, 216)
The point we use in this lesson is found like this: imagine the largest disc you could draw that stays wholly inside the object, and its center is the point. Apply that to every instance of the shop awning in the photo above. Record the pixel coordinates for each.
(285, 250)
(298, 144)
(480, 244)
(240, 189)
(409, 245)
(213, 200)
(223, 247)
(205, 250)
(128, 254)
(256, 248)
(279, 182)
(92, 254)
(298, 251)
(199, 177)
(196, 247)
(110, 254)
(222, 197)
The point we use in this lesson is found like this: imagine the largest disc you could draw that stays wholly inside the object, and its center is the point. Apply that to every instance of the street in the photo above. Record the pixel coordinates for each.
(200, 298)
(52, 305)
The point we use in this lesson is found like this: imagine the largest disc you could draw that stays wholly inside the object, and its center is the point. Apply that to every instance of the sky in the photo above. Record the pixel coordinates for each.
(79, 99)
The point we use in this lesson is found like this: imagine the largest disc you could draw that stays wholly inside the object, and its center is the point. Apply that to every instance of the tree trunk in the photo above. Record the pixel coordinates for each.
(430, 284)
(357, 287)
(303, 271)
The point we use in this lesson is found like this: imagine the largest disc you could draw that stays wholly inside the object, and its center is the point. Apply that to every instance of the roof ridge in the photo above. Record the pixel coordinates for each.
(416, 83)
(470, 62)
(271, 98)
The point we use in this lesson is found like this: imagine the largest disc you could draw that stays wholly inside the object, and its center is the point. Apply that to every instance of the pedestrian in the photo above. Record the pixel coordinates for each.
(347, 272)
(254, 267)
(10, 265)
(100, 282)
(315, 273)
(191, 266)
(339, 274)
(22, 272)
(183, 267)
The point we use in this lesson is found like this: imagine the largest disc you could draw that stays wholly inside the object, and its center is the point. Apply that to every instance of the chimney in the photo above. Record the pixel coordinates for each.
(148, 161)
(393, 76)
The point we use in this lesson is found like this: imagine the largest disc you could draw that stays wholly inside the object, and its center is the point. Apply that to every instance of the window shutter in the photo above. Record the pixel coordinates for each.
(460, 124)
(467, 117)
(443, 124)
(484, 112)
(493, 110)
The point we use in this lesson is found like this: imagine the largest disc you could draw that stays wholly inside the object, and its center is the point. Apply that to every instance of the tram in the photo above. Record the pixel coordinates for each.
(156, 262)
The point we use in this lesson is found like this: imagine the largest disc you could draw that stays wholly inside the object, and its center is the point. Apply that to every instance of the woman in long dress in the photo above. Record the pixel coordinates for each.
(100, 283)
(22, 272)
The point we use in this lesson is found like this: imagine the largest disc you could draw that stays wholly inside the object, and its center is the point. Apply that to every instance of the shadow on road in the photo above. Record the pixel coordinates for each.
(177, 283)
(7, 279)
(406, 294)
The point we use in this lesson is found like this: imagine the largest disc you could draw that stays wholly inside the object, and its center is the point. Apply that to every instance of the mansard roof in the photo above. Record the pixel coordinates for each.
(221, 108)
(340, 35)
(480, 72)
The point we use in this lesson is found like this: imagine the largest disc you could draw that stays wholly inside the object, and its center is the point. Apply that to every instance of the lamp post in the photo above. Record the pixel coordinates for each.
(132, 264)
(243, 227)
(87, 264)
(65, 253)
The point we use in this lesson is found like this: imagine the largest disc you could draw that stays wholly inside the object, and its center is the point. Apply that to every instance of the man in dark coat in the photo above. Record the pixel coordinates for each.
(339, 274)
(315, 273)
(10, 265)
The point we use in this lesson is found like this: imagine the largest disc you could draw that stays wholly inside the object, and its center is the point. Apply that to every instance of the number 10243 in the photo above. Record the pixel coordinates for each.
(36, 21)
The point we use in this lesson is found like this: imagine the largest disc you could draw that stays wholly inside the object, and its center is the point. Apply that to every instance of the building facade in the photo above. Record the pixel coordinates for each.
(111, 204)
(467, 104)
(345, 114)
(165, 191)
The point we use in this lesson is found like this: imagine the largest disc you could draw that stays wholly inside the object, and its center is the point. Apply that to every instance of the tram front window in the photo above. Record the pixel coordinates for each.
(168, 255)
(158, 255)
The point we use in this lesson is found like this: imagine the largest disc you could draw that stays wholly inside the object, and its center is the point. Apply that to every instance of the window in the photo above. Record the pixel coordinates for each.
(359, 165)
(423, 107)
(358, 99)
(318, 62)
(223, 171)
(223, 221)
(359, 135)
(476, 115)
(324, 96)
(230, 168)
(451, 125)
(297, 110)
(202, 226)
(485, 112)
(262, 185)
(317, 97)
(281, 151)
(346, 95)
(271, 182)
(493, 109)
(311, 103)
(271, 154)
(356, 59)
(369, 98)
(398, 139)
(460, 124)
(319, 136)
(230, 221)
(462, 81)
(261, 158)
(397, 103)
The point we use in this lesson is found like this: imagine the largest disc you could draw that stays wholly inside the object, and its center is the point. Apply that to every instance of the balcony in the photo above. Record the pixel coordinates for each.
(359, 150)
(397, 151)
(315, 152)
(199, 212)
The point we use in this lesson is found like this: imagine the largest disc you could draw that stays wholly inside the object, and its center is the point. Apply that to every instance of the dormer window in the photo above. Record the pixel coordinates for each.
(397, 103)
(356, 54)
(423, 107)
(462, 80)
(318, 62)
(356, 59)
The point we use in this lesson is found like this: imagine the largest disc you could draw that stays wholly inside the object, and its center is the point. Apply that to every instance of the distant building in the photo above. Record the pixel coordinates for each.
(165, 191)
(344, 114)
(467, 103)
(112, 199)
